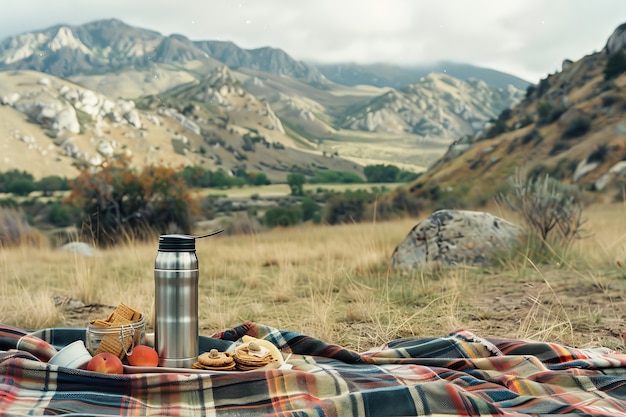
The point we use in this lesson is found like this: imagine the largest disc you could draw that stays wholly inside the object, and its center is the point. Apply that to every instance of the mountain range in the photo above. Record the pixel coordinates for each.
(72, 95)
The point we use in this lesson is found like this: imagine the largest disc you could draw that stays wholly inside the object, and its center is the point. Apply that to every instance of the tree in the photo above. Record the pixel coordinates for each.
(47, 185)
(116, 202)
(14, 175)
(21, 187)
(296, 183)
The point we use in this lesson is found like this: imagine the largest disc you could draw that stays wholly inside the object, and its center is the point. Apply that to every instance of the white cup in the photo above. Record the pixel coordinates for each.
(75, 355)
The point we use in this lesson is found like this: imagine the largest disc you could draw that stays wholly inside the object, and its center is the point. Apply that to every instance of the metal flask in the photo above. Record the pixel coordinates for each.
(176, 300)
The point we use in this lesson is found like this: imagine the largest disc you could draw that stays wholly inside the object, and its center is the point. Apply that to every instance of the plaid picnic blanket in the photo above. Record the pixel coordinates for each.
(458, 374)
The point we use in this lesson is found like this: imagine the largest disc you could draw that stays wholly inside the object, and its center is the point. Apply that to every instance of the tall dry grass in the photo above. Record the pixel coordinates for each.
(334, 283)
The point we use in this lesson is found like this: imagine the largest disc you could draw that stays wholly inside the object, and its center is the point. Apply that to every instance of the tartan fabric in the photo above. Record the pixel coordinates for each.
(458, 374)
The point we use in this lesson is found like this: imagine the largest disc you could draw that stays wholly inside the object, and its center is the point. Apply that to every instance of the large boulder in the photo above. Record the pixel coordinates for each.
(455, 238)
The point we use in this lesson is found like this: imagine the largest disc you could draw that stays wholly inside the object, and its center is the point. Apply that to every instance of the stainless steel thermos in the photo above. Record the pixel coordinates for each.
(176, 300)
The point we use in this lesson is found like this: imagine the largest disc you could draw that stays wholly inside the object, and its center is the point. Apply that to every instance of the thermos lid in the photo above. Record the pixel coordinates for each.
(177, 243)
(181, 243)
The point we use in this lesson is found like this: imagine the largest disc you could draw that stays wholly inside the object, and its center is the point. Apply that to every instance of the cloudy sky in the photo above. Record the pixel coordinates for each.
(527, 38)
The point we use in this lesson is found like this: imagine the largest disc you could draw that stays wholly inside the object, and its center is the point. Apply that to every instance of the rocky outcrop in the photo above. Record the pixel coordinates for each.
(54, 115)
(456, 238)
(617, 41)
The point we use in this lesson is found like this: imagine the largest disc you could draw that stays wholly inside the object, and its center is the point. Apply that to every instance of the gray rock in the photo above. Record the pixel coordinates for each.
(80, 248)
(455, 238)
(584, 168)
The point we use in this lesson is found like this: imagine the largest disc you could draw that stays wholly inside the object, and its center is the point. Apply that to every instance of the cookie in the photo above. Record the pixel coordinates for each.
(251, 356)
(215, 361)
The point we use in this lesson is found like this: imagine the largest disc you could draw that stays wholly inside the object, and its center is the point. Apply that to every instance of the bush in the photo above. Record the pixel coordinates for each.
(400, 202)
(348, 207)
(310, 210)
(60, 215)
(577, 127)
(15, 230)
(47, 185)
(282, 216)
(548, 207)
(559, 147)
(381, 173)
(615, 66)
(335, 177)
(599, 154)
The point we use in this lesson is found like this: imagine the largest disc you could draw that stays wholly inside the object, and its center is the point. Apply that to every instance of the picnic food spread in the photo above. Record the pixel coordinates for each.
(123, 331)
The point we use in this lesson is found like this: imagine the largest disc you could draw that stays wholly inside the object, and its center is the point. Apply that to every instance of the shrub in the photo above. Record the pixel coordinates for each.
(348, 207)
(15, 230)
(599, 154)
(548, 207)
(615, 65)
(400, 202)
(558, 147)
(381, 173)
(282, 216)
(335, 177)
(60, 215)
(47, 185)
(310, 210)
(577, 127)
(544, 110)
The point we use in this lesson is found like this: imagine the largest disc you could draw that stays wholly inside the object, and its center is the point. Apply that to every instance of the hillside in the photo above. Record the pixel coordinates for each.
(50, 126)
(571, 125)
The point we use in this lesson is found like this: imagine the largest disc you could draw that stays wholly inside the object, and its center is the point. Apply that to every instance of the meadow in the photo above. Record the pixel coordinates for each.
(335, 283)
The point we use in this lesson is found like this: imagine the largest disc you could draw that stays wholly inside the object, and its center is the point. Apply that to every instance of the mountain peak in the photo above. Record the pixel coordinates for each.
(65, 38)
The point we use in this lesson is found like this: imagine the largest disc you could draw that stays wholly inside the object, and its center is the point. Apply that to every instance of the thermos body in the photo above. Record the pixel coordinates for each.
(176, 300)
(176, 308)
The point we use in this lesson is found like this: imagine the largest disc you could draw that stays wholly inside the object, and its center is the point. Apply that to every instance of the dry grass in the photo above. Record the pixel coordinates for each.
(334, 283)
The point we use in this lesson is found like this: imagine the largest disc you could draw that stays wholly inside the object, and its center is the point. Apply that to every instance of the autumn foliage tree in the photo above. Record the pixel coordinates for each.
(118, 202)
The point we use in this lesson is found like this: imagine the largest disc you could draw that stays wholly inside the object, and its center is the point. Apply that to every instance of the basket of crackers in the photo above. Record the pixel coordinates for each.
(124, 329)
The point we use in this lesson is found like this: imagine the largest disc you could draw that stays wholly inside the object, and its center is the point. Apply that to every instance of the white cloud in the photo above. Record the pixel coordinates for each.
(529, 38)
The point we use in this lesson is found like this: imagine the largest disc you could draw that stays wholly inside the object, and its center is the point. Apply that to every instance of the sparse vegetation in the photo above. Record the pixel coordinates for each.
(550, 209)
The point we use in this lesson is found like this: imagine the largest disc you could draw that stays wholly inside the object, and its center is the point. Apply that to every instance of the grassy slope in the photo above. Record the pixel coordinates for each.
(334, 283)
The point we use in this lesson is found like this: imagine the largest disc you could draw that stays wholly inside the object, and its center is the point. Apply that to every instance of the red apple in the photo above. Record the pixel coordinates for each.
(106, 362)
(143, 356)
